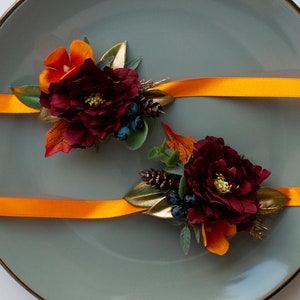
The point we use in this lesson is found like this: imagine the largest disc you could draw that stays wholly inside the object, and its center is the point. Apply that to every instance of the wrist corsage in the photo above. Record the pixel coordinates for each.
(92, 101)
(207, 188)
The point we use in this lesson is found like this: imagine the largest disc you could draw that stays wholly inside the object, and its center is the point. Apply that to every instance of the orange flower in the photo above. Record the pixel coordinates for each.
(55, 140)
(183, 144)
(214, 236)
(60, 64)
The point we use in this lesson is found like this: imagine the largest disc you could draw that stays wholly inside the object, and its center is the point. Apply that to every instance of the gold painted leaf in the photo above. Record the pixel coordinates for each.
(46, 117)
(118, 52)
(161, 209)
(258, 229)
(270, 200)
(159, 96)
(144, 195)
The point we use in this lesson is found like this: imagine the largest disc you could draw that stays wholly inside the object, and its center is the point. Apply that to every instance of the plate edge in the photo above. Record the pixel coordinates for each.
(293, 5)
(17, 3)
(19, 281)
(282, 285)
(10, 10)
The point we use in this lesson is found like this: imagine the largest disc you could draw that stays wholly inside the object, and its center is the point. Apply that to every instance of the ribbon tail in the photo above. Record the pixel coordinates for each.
(293, 193)
(66, 209)
(9, 103)
(233, 87)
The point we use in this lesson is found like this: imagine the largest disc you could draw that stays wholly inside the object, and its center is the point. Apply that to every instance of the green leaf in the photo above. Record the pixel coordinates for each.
(162, 148)
(163, 152)
(144, 195)
(86, 40)
(166, 155)
(28, 95)
(163, 157)
(197, 233)
(175, 222)
(185, 239)
(177, 170)
(106, 62)
(183, 187)
(154, 153)
(134, 63)
(173, 159)
(137, 138)
(118, 52)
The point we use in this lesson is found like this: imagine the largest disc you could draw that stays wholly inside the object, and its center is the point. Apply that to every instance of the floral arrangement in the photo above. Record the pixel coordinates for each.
(90, 102)
(205, 186)
(208, 187)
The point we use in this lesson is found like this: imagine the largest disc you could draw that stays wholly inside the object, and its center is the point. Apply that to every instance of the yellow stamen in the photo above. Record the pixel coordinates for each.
(222, 185)
(94, 100)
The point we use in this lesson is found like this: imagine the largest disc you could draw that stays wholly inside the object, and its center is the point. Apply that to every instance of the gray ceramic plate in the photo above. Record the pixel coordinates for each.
(139, 257)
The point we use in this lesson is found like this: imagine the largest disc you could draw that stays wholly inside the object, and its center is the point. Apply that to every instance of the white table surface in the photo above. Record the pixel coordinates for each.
(12, 290)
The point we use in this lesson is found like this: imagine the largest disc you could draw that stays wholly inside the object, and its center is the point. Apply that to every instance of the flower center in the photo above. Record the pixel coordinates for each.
(94, 99)
(221, 184)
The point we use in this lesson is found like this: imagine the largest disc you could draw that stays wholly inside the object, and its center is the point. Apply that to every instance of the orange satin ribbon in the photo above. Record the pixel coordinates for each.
(293, 194)
(233, 87)
(200, 87)
(65, 209)
(97, 209)
(87, 209)
(11, 104)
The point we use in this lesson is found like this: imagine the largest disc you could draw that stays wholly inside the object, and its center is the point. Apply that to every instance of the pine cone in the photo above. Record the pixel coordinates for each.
(150, 108)
(160, 179)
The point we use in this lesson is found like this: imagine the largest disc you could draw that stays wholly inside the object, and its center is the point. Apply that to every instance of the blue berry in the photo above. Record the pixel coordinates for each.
(123, 133)
(189, 200)
(178, 212)
(137, 123)
(173, 197)
(132, 110)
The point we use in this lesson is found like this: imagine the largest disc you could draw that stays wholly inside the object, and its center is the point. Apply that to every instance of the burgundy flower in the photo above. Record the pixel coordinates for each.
(224, 183)
(93, 102)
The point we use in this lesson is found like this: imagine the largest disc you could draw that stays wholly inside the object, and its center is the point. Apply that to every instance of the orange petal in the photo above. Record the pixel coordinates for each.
(55, 141)
(57, 59)
(48, 76)
(71, 72)
(225, 227)
(79, 52)
(185, 145)
(203, 235)
(214, 236)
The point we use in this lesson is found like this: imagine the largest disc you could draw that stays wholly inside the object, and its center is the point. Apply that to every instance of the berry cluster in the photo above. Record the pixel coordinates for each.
(180, 205)
(133, 120)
